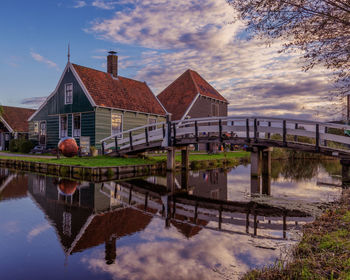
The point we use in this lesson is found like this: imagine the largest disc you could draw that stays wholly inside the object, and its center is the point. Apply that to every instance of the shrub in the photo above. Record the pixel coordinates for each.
(21, 145)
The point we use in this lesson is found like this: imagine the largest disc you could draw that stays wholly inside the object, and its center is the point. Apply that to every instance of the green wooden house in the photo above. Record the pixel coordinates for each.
(90, 105)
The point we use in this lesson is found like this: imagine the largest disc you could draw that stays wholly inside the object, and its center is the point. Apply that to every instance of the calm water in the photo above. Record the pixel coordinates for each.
(203, 225)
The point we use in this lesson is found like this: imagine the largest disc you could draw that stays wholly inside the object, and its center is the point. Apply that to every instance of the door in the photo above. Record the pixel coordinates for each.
(42, 134)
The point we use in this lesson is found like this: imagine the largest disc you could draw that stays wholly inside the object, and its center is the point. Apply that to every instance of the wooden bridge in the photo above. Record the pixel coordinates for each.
(258, 133)
(176, 205)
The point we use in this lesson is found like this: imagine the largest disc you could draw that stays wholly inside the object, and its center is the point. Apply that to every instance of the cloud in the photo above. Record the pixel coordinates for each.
(105, 5)
(44, 60)
(79, 4)
(34, 102)
(200, 35)
(37, 230)
(208, 255)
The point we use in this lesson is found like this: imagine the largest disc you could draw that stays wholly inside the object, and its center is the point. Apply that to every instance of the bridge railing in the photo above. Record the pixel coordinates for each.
(222, 129)
(314, 133)
(139, 135)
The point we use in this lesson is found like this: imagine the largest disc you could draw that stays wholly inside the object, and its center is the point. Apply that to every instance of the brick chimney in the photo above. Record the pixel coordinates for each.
(112, 64)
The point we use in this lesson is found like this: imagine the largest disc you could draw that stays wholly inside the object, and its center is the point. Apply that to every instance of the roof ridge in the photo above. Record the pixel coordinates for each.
(119, 76)
(178, 78)
(194, 82)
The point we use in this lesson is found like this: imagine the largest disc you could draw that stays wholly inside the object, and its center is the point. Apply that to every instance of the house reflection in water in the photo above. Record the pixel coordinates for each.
(86, 214)
(83, 216)
(12, 185)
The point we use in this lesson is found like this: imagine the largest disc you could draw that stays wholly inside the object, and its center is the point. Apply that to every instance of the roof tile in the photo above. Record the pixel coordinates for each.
(178, 96)
(17, 117)
(121, 93)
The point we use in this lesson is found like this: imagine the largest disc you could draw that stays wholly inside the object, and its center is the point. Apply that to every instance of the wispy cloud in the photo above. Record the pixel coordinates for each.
(105, 5)
(79, 4)
(40, 58)
(34, 102)
(37, 230)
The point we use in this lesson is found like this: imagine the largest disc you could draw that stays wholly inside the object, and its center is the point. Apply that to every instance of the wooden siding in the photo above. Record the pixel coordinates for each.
(130, 120)
(52, 132)
(102, 125)
(202, 108)
(88, 126)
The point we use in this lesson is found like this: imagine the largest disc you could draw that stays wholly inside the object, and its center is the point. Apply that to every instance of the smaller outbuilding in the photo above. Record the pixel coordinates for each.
(190, 96)
(13, 124)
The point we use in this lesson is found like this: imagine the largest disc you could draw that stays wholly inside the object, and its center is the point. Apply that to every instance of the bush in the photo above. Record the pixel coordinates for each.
(21, 145)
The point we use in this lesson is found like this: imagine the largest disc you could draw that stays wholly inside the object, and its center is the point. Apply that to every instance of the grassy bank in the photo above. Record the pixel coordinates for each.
(324, 251)
(102, 161)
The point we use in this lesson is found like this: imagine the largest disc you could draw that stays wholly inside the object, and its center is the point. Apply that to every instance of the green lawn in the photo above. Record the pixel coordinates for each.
(112, 161)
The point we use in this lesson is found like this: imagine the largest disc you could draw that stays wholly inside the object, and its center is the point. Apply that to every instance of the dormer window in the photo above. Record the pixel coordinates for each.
(68, 93)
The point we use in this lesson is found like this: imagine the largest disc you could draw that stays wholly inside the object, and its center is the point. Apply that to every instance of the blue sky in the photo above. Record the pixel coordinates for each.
(157, 40)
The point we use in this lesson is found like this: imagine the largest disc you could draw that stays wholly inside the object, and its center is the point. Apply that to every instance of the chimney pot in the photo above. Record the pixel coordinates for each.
(112, 63)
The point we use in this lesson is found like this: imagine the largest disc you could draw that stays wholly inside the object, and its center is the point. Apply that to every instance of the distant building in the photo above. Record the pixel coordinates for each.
(190, 96)
(13, 124)
(90, 105)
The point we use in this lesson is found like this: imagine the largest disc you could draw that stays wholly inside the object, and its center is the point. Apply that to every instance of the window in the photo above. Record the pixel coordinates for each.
(215, 110)
(36, 128)
(152, 121)
(76, 125)
(117, 123)
(63, 126)
(68, 93)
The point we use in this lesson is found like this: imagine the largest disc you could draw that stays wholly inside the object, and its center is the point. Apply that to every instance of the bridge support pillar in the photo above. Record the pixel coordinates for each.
(345, 173)
(266, 171)
(185, 158)
(260, 164)
(255, 162)
(170, 159)
(184, 179)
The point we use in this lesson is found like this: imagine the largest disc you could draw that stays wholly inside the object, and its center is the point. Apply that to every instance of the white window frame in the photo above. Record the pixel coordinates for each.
(78, 136)
(60, 132)
(122, 125)
(66, 102)
(150, 128)
(36, 128)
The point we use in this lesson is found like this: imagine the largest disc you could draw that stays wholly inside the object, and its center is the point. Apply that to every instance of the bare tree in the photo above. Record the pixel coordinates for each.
(321, 28)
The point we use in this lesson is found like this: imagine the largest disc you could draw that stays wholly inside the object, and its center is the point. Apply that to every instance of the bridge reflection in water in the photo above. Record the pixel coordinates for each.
(86, 214)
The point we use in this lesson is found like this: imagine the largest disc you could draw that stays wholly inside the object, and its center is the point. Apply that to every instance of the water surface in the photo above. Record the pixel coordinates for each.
(212, 224)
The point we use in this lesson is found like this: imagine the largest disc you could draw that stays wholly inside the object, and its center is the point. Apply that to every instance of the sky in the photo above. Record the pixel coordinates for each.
(156, 41)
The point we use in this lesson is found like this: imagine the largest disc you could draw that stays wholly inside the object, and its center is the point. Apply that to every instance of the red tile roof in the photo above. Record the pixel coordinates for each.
(120, 223)
(121, 93)
(15, 189)
(17, 117)
(178, 96)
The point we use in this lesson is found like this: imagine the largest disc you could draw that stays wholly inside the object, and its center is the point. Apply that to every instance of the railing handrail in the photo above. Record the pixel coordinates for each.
(261, 118)
(131, 130)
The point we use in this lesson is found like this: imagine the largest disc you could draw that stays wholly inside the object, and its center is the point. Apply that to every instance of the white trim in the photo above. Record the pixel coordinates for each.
(59, 126)
(190, 107)
(92, 102)
(68, 66)
(155, 124)
(39, 134)
(65, 93)
(166, 112)
(131, 111)
(122, 115)
(6, 125)
(52, 94)
(75, 114)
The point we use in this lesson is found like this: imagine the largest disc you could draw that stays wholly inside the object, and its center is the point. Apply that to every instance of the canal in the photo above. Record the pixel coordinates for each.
(209, 224)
